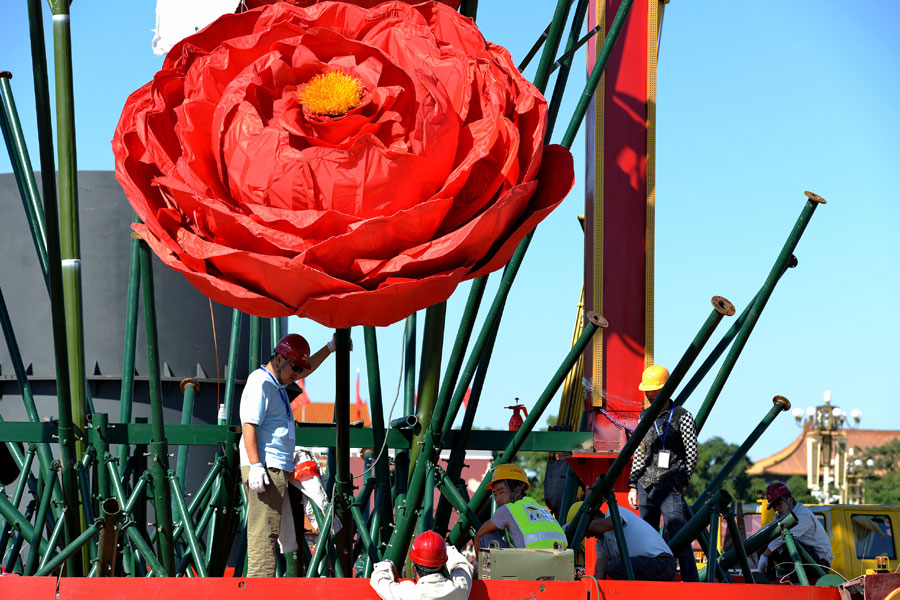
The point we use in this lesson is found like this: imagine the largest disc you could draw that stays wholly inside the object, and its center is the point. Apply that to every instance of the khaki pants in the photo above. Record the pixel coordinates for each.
(264, 522)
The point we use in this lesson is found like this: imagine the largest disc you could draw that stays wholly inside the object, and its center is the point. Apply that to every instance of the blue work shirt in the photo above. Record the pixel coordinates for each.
(264, 403)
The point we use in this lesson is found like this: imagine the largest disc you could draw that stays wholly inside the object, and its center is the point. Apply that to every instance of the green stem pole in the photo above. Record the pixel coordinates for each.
(343, 487)
(159, 447)
(795, 556)
(44, 121)
(601, 488)
(144, 550)
(401, 459)
(321, 541)
(720, 348)
(376, 413)
(35, 541)
(70, 550)
(187, 525)
(698, 522)
(231, 372)
(21, 164)
(560, 15)
(188, 389)
(754, 543)
(227, 503)
(429, 377)
(810, 562)
(53, 541)
(779, 404)
(565, 64)
(365, 538)
(100, 441)
(593, 323)
(616, 519)
(253, 355)
(128, 351)
(599, 66)
(763, 296)
(17, 496)
(455, 499)
(713, 545)
(737, 542)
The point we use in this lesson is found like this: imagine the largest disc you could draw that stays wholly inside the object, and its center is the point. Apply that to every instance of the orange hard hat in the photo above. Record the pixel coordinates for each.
(428, 550)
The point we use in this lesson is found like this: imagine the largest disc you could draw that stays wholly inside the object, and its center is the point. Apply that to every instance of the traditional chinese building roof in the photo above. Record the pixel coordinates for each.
(792, 460)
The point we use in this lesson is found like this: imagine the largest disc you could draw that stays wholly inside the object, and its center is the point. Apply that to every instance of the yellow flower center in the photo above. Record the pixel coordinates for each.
(332, 94)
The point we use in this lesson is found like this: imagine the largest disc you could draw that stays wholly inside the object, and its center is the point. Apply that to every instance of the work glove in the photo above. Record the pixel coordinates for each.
(332, 344)
(763, 563)
(632, 498)
(258, 478)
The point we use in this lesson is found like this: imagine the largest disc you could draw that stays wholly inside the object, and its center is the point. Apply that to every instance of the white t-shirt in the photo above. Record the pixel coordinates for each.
(430, 587)
(264, 403)
(640, 537)
(809, 532)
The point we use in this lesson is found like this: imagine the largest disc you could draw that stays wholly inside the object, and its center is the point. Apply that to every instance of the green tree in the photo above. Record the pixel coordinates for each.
(800, 490)
(712, 455)
(882, 476)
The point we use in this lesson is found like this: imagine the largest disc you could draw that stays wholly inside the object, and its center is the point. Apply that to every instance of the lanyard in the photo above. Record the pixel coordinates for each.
(662, 436)
(284, 398)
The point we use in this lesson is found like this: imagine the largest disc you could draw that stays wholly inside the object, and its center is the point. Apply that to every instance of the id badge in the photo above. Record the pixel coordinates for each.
(663, 460)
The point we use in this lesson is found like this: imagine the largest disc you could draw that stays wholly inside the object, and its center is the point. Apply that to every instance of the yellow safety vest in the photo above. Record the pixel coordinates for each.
(538, 526)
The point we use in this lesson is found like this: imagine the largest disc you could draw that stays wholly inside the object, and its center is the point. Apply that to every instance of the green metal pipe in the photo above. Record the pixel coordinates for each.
(136, 494)
(144, 550)
(21, 164)
(231, 372)
(590, 87)
(763, 296)
(698, 522)
(429, 376)
(795, 556)
(343, 487)
(17, 495)
(426, 520)
(601, 488)
(126, 394)
(616, 519)
(321, 541)
(737, 542)
(720, 348)
(87, 499)
(53, 542)
(188, 388)
(276, 330)
(565, 66)
(379, 435)
(159, 447)
(455, 499)
(779, 404)
(109, 538)
(382, 494)
(469, 8)
(712, 546)
(50, 483)
(458, 451)
(99, 435)
(401, 458)
(809, 561)
(364, 536)
(45, 457)
(226, 506)
(69, 550)
(42, 109)
(754, 543)
(548, 55)
(593, 323)
(68, 209)
(187, 525)
(254, 360)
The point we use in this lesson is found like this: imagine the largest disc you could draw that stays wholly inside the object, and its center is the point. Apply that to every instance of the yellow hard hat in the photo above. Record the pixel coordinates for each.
(514, 472)
(572, 511)
(653, 378)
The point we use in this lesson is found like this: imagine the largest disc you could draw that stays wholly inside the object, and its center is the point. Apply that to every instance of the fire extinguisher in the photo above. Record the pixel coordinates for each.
(516, 420)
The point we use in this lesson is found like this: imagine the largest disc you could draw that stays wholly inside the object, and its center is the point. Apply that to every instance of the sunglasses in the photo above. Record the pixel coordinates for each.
(293, 365)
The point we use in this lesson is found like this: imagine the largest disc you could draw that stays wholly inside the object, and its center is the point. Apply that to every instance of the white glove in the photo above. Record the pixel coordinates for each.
(258, 479)
(632, 498)
(332, 344)
(763, 563)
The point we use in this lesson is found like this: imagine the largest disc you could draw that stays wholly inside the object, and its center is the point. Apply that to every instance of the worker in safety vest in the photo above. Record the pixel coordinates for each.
(524, 521)
(442, 573)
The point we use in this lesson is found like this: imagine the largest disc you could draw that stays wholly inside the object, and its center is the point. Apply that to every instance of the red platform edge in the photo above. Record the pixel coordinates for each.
(72, 588)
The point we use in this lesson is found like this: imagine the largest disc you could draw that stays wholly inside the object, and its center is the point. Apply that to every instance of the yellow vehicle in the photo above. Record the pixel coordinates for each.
(859, 533)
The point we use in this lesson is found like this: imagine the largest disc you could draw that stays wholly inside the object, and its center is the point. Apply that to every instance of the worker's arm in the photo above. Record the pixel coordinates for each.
(487, 528)
(600, 567)
(249, 432)
(319, 357)
(598, 527)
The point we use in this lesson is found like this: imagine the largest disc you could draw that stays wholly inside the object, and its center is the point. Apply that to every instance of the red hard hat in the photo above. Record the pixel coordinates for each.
(428, 550)
(775, 491)
(294, 348)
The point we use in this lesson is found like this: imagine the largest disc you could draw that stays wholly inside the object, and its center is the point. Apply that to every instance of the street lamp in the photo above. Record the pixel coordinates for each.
(827, 451)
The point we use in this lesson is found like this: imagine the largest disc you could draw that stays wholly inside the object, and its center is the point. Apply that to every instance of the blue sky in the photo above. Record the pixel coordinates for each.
(757, 102)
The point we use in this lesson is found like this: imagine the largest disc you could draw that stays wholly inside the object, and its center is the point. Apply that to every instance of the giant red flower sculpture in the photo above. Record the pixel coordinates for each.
(345, 164)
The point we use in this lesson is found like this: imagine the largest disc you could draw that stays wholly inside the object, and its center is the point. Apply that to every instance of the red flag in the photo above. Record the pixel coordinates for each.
(359, 401)
(303, 398)
(466, 397)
